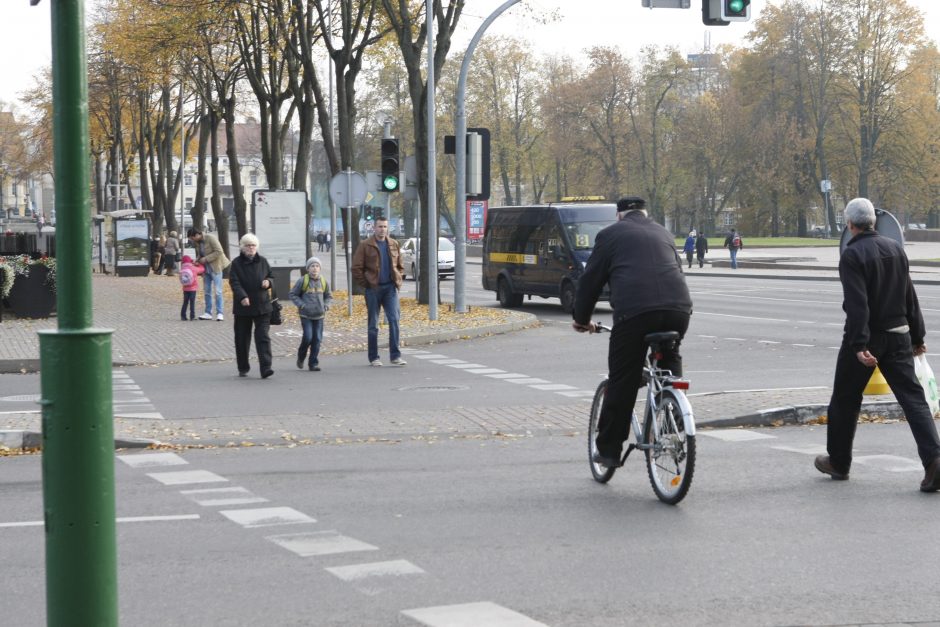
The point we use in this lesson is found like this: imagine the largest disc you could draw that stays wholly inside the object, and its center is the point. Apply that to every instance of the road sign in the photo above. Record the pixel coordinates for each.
(885, 223)
(348, 189)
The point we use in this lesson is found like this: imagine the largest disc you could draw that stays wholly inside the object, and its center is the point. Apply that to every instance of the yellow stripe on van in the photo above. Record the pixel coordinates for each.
(514, 258)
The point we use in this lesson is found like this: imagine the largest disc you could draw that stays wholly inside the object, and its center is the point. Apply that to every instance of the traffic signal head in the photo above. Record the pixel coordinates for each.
(368, 213)
(391, 179)
(736, 10)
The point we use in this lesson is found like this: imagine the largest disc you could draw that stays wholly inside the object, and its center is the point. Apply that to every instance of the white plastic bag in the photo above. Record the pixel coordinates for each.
(927, 381)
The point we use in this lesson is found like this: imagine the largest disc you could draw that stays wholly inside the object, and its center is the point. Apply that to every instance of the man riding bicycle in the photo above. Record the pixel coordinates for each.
(637, 258)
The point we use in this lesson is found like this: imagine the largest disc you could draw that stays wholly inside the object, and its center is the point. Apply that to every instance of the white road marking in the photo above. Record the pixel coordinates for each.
(485, 370)
(735, 435)
(767, 342)
(471, 615)
(509, 375)
(736, 339)
(124, 519)
(528, 381)
(813, 449)
(447, 362)
(125, 387)
(149, 460)
(413, 351)
(187, 476)
(266, 516)
(213, 497)
(25, 411)
(553, 387)
(804, 345)
(720, 315)
(815, 387)
(430, 356)
(320, 543)
(355, 572)
(465, 366)
(891, 463)
(578, 394)
(711, 337)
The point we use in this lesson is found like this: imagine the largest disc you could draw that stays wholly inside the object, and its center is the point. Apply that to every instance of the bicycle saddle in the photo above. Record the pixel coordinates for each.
(661, 337)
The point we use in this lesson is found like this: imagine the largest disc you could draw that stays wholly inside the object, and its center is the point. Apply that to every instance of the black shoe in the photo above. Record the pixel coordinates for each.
(824, 465)
(315, 368)
(266, 374)
(931, 482)
(300, 363)
(243, 373)
(603, 460)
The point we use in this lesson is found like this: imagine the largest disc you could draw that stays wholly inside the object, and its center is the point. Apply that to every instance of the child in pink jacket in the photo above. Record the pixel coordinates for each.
(189, 272)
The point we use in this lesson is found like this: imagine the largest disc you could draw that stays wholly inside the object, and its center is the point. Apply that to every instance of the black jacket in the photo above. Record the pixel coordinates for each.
(245, 277)
(877, 290)
(638, 258)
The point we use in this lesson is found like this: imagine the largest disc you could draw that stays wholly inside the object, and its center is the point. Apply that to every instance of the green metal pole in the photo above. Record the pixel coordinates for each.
(75, 364)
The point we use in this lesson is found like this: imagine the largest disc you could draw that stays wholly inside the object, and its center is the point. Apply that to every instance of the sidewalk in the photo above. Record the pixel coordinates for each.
(143, 311)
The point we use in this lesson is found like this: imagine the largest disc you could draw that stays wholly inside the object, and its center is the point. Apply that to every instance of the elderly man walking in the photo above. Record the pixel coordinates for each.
(884, 327)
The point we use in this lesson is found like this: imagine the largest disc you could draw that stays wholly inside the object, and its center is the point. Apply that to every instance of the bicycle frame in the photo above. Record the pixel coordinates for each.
(657, 380)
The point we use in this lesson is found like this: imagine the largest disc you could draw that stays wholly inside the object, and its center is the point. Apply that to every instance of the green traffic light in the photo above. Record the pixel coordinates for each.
(390, 183)
(736, 6)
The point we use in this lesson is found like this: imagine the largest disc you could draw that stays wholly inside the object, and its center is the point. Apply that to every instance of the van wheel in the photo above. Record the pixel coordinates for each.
(505, 295)
(567, 297)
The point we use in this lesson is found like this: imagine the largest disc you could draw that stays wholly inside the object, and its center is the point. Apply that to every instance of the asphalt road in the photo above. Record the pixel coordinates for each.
(374, 534)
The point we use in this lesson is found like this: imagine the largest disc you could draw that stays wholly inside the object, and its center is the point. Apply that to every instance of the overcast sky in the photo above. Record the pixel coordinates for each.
(25, 38)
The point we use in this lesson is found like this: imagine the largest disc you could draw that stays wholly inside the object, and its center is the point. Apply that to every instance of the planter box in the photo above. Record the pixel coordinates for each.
(30, 296)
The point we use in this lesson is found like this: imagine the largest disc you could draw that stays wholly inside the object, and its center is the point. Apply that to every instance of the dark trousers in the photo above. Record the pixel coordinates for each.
(243, 327)
(701, 259)
(896, 361)
(625, 360)
(688, 255)
(189, 302)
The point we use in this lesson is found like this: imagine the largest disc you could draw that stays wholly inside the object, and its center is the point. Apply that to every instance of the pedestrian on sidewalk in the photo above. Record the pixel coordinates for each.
(312, 296)
(884, 327)
(211, 255)
(251, 279)
(689, 248)
(734, 243)
(377, 267)
(170, 250)
(637, 258)
(189, 273)
(701, 248)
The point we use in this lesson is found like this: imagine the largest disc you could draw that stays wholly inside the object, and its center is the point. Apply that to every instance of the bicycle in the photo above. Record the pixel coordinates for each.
(667, 435)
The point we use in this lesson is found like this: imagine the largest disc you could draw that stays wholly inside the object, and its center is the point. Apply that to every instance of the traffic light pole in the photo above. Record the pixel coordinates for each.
(75, 368)
(460, 141)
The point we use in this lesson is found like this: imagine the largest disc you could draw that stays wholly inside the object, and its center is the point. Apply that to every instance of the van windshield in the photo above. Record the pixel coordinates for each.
(582, 234)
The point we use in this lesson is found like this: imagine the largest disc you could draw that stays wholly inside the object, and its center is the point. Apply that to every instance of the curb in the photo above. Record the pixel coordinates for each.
(23, 440)
(801, 414)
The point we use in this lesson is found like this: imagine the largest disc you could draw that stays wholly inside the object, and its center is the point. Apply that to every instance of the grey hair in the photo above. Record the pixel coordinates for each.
(248, 239)
(861, 213)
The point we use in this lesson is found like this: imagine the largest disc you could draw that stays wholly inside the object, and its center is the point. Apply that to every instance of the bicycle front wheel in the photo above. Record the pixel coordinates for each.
(670, 459)
(602, 474)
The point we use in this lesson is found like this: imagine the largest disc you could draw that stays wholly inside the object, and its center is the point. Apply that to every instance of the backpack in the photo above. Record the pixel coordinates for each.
(187, 277)
(306, 284)
(736, 242)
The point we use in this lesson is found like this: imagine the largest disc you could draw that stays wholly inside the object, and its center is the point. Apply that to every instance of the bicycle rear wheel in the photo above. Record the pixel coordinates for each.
(670, 460)
(602, 474)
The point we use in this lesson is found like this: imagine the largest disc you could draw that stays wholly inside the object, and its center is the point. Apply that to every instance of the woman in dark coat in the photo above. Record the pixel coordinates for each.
(250, 277)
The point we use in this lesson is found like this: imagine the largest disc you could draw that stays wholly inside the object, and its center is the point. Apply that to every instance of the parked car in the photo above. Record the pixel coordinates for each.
(445, 257)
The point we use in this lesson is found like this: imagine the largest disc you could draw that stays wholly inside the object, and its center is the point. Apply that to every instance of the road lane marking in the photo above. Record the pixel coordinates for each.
(735, 435)
(266, 516)
(320, 543)
(553, 387)
(528, 381)
(355, 572)
(736, 339)
(467, 614)
(430, 356)
(149, 460)
(485, 370)
(804, 345)
(212, 497)
(509, 375)
(767, 342)
(184, 477)
(721, 315)
(123, 519)
(813, 449)
(890, 463)
(464, 366)
(577, 394)
(447, 362)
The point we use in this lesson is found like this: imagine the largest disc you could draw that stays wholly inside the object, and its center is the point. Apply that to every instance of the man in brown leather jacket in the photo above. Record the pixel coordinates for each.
(377, 267)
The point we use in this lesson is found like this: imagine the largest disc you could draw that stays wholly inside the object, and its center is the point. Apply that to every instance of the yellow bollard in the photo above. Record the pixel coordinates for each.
(877, 384)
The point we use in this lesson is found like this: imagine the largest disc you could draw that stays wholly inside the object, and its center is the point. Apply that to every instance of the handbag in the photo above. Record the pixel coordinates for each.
(276, 308)
(927, 381)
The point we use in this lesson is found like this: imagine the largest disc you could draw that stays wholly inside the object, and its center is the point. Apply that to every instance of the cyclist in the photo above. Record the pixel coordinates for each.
(637, 258)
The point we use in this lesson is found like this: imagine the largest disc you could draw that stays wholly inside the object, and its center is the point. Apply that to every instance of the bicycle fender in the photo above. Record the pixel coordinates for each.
(688, 418)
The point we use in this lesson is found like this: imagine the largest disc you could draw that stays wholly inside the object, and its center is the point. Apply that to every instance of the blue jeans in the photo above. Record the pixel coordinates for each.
(313, 337)
(189, 302)
(734, 258)
(385, 296)
(212, 282)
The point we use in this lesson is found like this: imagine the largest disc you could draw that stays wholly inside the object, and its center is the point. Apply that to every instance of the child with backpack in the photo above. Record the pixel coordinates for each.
(312, 296)
(189, 273)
